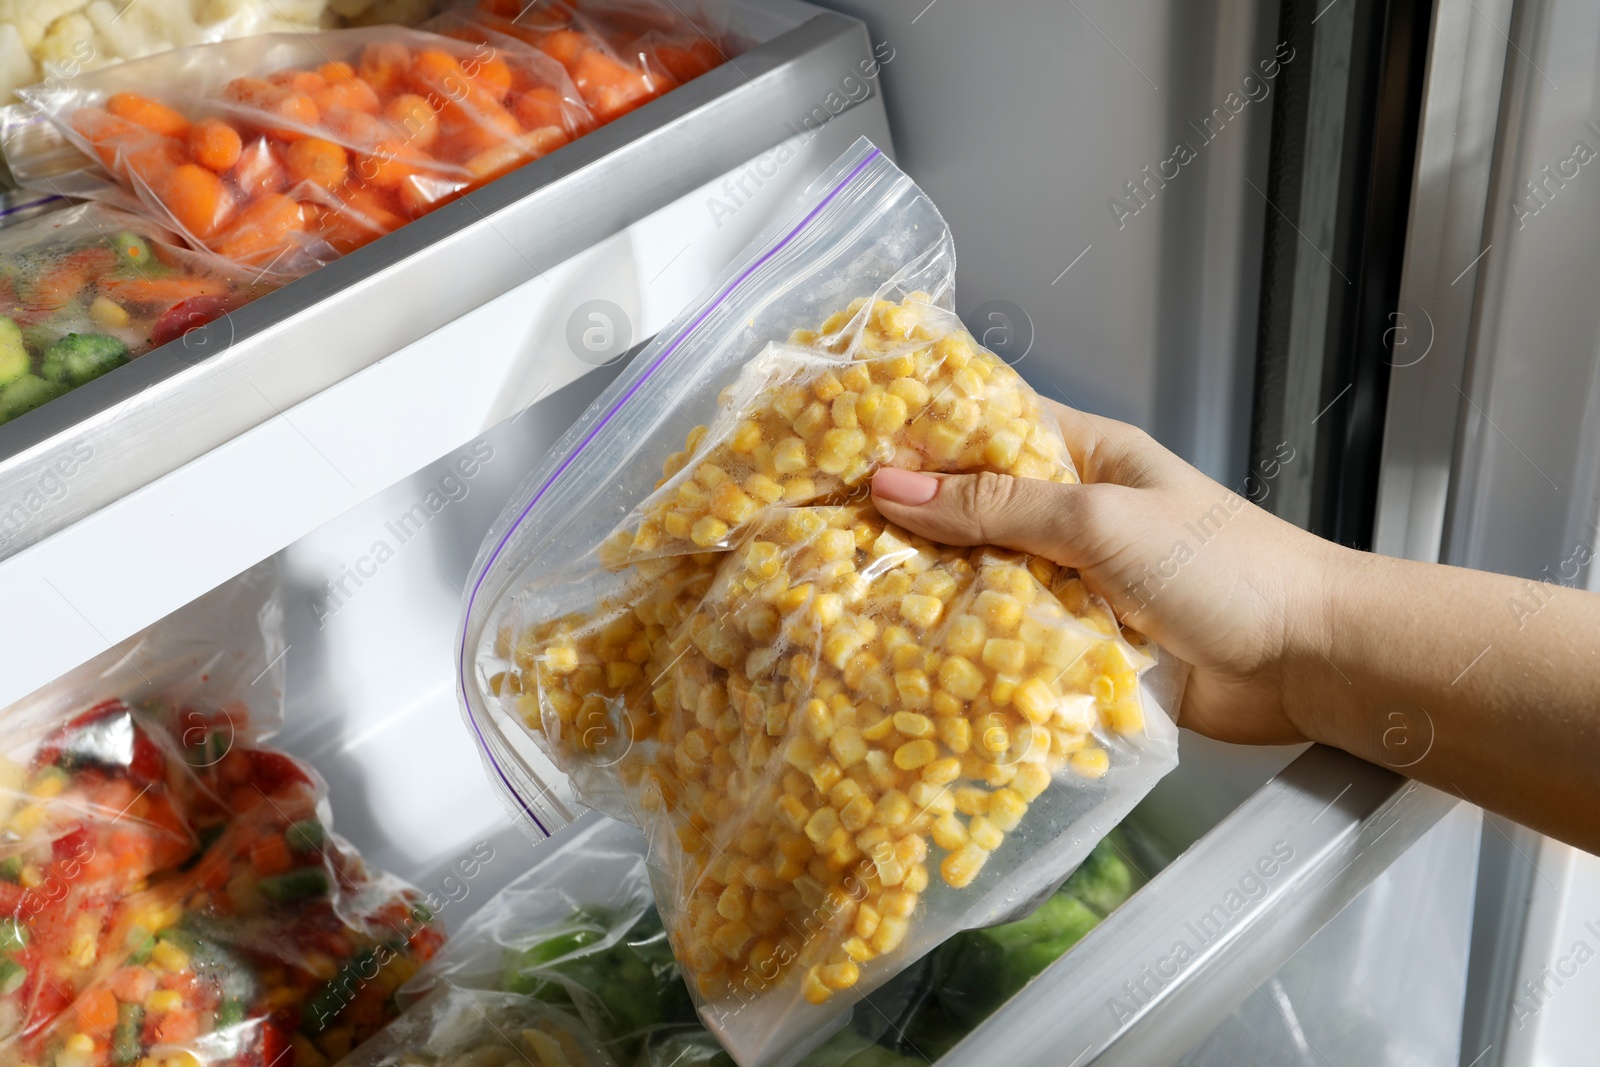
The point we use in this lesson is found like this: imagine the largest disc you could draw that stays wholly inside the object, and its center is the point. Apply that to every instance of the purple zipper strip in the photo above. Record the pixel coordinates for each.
(30, 203)
(595, 432)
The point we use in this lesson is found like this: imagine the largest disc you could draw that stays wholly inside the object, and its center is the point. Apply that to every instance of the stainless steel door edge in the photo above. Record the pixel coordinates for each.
(1445, 249)
(185, 398)
(1155, 977)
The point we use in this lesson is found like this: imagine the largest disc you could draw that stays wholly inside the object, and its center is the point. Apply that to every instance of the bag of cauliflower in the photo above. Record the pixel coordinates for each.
(844, 742)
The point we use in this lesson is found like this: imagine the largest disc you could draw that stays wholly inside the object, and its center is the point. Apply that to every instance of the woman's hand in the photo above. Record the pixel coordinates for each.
(1480, 684)
(1222, 584)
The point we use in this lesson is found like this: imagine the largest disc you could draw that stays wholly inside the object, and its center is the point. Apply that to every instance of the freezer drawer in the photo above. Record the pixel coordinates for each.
(1156, 976)
(205, 456)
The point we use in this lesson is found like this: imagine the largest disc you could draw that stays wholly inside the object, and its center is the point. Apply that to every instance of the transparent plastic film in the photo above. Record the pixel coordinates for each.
(170, 886)
(86, 289)
(281, 152)
(483, 1028)
(620, 54)
(844, 743)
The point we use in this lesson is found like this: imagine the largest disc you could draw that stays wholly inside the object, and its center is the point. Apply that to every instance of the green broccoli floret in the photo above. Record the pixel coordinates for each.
(987, 967)
(25, 394)
(1104, 881)
(624, 989)
(81, 357)
(134, 250)
(13, 353)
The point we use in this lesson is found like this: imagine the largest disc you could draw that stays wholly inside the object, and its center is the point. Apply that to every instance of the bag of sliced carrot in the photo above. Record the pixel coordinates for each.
(620, 54)
(281, 152)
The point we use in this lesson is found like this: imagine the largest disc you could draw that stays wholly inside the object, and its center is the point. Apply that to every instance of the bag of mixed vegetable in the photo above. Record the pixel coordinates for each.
(172, 885)
(85, 289)
(845, 743)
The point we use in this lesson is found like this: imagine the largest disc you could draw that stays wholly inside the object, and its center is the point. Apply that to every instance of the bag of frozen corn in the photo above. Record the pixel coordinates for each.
(845, 743)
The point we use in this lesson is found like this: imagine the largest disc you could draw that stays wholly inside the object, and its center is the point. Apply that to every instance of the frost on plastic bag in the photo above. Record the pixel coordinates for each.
(168, 884)
(282, 152)
(86, 289)
(845, 743)
(620, 54)
(578, 933)
(453, 1027)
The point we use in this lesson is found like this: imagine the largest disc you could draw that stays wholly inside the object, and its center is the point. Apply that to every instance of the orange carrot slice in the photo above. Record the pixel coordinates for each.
(319, 161)
(214, 144)
(197, 199)
(151, 114)
(262, 230)
(163, 290)
(410, 118)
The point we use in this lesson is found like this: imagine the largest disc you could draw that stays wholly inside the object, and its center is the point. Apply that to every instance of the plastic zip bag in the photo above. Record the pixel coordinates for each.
(578, 933)
(171, 886)
(844, 743)
(96, 796)
(620, 54)
(452, 1026)
(282, 152)
(86, 289)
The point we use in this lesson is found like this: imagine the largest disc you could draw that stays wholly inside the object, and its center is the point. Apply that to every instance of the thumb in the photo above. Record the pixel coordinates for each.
(1046, 519)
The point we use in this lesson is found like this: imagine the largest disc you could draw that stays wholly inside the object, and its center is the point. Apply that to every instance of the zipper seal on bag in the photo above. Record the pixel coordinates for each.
(605, 420)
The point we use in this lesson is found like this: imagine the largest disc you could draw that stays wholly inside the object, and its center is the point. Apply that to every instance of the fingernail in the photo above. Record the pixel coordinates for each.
(903, 487)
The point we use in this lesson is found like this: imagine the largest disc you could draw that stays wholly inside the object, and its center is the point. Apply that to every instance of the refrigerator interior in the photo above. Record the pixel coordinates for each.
(1161, 331)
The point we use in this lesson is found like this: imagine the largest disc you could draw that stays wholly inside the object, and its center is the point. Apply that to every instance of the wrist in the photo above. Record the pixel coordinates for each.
(1319, 693)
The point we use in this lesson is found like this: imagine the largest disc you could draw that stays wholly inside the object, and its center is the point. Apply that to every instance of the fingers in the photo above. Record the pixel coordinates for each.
(1105, 450)
(1047, 519)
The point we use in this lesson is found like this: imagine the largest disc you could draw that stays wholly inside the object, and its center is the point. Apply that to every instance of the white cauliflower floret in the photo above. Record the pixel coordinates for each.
(17, 68)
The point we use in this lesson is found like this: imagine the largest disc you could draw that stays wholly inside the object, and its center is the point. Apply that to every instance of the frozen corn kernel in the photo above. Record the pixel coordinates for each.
(789, 456)
(839, 975)
(814, 989)
(984, 833)
(913, 725)
(708, 531)
(1090, 762)
(942, 771)
(889, 934)
(894, 809)
(730, 504)
(1000, 612)
(1035, 699)
(1126, 717)
(1031, 781)
(1005, 655)
(746, 436)
(915, 754)
(921, 610)
(960, 867)
(949, 833)
(913, 687)
(1006, 808)
(970, 800)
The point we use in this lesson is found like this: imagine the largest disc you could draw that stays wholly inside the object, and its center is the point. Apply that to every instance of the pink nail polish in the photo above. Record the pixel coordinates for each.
(904, 487)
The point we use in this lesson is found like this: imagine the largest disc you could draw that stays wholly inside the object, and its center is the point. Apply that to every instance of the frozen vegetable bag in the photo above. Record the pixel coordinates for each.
(844, 743)
(281, 152)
